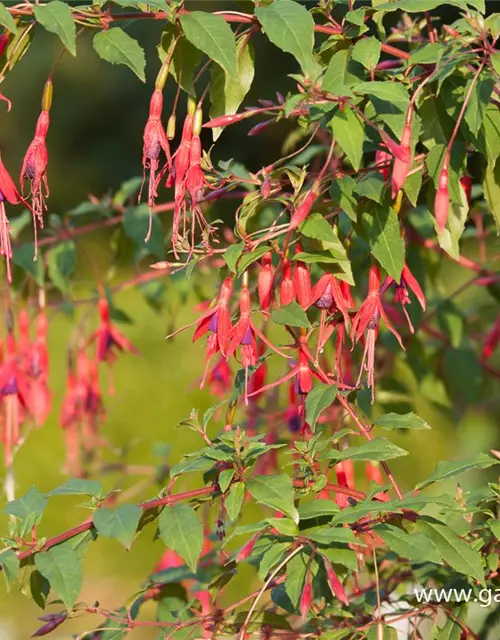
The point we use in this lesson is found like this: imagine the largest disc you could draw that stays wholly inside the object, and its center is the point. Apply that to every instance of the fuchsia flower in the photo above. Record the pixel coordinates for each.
(402, 155)
(217, 321)
(40, 399)
(9, 193)
(35, 162)
(287, 286)
(220, 378)
(155, 140)
(109, 339)
(302, 281)
(492, 341)
(265, 283)
(408, 281)
(344, 471)
(368, 319)
(442, 201)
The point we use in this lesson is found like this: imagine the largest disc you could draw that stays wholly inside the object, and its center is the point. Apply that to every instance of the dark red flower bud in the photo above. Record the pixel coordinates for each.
(287, 288)
(442, 201)
(302, 282)
(265, 283)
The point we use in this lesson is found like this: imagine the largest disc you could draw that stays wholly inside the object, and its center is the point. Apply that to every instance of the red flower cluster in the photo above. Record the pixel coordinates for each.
(24, 390)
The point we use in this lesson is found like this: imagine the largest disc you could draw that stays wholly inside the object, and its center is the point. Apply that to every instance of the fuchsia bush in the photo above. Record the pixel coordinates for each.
(326, 286)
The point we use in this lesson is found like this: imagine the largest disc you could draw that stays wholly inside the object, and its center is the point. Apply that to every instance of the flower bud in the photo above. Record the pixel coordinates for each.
(197, 122)
(302, 282)
(171, 127)
(191, 106)
(442, 201)
(466, 182)
(47, 96)
(161, 78)
(306, 598)
(247, 549)
(265, 283)
(287, 288)
(334, 583)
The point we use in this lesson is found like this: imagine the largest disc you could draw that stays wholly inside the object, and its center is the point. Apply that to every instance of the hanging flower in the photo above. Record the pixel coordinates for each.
(9, 193)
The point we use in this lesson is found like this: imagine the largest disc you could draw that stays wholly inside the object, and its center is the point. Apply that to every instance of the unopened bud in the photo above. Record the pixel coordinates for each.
(191, 106)
(306, 599)
(171, 127)
(161, 78)
(197, 122)
(47, 96)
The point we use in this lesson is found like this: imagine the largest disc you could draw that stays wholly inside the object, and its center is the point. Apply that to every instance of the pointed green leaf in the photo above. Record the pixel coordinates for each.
(78, 486)
(185, 59)
(491, 188)
(392, 421)
(10, 566)
(24, 256)
(452, 549)
(381, 225)
(317, 508)
(160, 4)
(292, 315)
(342, 74)
(317, 400)
(57, 18)
(349, 133)
(275, 492)
(117, 47)
(290, 27)
(315, 226)
(63, 568)
(61, 262)
(371, 187)
(414, 546)
(446, 469)
(378, 449)
(181, 530)
(232, 255)
(120, 523)
(6, 19)
(234, 500)
(478, 103)
(228, 91)
(28, 509)
(367, 52)
(212, 35)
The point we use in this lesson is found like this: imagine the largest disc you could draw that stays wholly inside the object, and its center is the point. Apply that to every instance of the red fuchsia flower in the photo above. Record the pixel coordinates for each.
(306, 597)
(217, 321)
(14, 392)
(334, 583)
(302, 281)
(383, 158)
(265, 283)
(40, 397)
(247, 548)
(442, 200)
(69, 418)
(258, 379)
(466, 182)
(9, 193)
(402, 160)
(220, 378)
(368, 319)
(35, 162)
(345, 478)
(181, 165)
(243, 335)
(109, 339)
(4, 41)
(492, 341)
(154, 141)
(23, 340)
(287, 287)
(374, 474)
(408, 281)
(328, 295)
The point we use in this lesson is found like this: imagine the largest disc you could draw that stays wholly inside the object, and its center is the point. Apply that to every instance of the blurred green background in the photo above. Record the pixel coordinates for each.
(95, 144)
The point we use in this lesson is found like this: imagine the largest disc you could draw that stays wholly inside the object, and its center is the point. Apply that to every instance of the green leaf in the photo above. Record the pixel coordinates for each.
(427, 54)
(228, 91)
(390, 101)
(57, 18)
(232, 254)
(381, 225)
(185, 59)
(212, 35)
(6, 19)
(318, 399)
(446, 469)
(120, 523)
(317, 509)
(24, 257)
(249, 258)
(28, 509)
(414, 546)
(489, 136)
(61, 262)
(136, 225)
(275, 492)
(327, 535)
(378, 449)
(341, 192)
(10, 566)
(290, 27)
(451, 548)
(181, 530)
(117, 47)
(341, 74)
(392, 421)
(291, 314)
(63, 568)
(77, 487)
(160, 4)
(491, 188)
(225, 478)
(296, 570)
(462, 373)
(419, 6)
(349, 132)
(367, 52)
(234, 500)
(315, 226)
(478, 103)
(371, 187)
